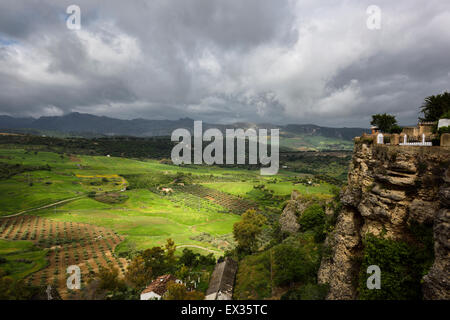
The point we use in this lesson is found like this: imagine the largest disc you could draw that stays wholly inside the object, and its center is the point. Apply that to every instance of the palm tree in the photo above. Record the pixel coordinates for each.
(435, 107)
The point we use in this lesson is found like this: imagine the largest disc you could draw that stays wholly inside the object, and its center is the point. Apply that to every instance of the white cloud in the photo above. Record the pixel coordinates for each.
(254, 60)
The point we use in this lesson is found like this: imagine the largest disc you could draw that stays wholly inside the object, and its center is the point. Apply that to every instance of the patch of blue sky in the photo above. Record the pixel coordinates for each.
(5, 41)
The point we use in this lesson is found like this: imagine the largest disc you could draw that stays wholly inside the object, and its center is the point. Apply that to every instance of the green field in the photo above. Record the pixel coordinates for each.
(124, 196)
(284, 188)
(146, 219)
(22, 258)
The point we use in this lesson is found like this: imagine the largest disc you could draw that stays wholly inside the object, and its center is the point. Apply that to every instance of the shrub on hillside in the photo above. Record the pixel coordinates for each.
(313, 218)
(191, 259)
(292, 264)
(253, 280)
(403, 266)
(247, 230)
(309, 291)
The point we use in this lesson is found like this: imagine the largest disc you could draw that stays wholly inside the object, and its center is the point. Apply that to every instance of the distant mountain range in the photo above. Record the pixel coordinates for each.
(90, 125)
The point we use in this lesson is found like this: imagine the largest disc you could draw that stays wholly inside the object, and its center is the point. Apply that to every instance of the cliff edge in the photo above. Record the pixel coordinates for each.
(389, 188)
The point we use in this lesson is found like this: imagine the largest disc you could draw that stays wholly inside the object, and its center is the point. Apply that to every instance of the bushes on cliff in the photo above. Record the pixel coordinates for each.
(293, 263)
(402, 268)
(308, 291)
(247, 231)
(253, 279)
(313, 218)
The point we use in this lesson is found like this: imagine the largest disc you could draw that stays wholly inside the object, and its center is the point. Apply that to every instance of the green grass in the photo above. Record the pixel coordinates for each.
(22, 258)
(284, 188)
(145, 218)
(234, 188)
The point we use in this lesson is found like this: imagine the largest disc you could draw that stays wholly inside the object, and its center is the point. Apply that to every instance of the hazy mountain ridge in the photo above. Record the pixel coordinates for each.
(101, 125)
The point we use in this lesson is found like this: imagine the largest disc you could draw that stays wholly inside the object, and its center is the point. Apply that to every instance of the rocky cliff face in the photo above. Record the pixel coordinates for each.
(288, 218)
(388, 188)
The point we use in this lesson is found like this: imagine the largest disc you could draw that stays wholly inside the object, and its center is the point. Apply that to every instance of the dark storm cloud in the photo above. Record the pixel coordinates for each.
(222, 61)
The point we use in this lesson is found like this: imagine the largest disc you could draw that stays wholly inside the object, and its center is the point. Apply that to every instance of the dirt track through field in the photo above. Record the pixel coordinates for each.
(43, 207)
(198, 247)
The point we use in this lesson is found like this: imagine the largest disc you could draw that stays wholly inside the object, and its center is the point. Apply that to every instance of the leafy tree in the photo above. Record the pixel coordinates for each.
(170, 251)
(385, 122)
(175, 291)
(195, 295)
(178, 291)
(402, 265)
(138, 275)
(312, 218)
(11, 289)
(160, 260)
(182, 273)
(207, 260)
(446, 115)
(189, 258)
(435, 107)
(154, 259)
(109, 279)
(107, 285)
(247, 230)
(291, 265)
(395, 129)
(152, 263)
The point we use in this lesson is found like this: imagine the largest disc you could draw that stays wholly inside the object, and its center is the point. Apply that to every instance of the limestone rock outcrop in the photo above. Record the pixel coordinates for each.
(388, 188)
(292, 210)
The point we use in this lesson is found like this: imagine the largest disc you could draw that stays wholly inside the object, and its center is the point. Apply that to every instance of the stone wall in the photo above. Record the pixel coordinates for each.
(445, 140)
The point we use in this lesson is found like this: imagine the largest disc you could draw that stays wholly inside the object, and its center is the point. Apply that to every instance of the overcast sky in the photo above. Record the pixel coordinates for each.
(224, 60)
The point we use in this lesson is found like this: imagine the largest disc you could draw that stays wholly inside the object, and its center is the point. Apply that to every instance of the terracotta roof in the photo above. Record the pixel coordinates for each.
(159, 286)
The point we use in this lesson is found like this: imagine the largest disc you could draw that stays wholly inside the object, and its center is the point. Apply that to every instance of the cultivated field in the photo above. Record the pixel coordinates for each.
(65, 244)
(223, 199)
(58, 210)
